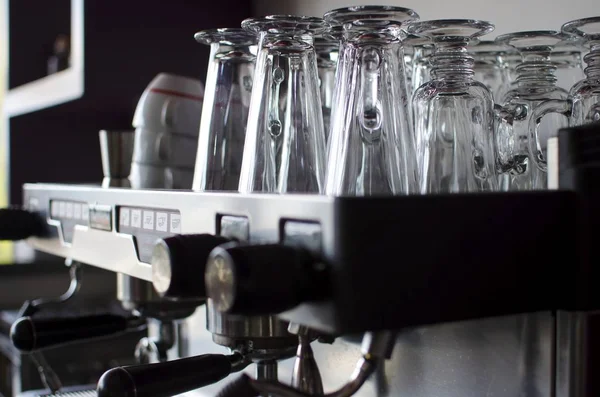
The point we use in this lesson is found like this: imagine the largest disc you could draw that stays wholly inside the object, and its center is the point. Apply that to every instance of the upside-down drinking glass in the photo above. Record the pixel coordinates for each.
(371, 145)
(568, 60)
(417, 51)
(583, 103)
(327, 49)
(225, 108)
(454, 112)
(518, 144)
(284, 151)
(489, 68)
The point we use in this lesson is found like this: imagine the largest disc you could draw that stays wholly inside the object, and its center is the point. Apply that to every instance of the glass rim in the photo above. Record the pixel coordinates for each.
(487, 46)
(373, 13)
(564, 40)
(234, 36)
(482, 27)
(281, 24)
(574, 28)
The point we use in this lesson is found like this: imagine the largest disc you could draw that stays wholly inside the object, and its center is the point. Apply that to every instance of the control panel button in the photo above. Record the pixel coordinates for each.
(77, 211)
(85, 212)
(136, 218)
(147, 225)
(162, 221)
(101, 217)
(149, 220)
(124, 215)
(54, 209)
(69, 210)
(175, 224)
(62, 209)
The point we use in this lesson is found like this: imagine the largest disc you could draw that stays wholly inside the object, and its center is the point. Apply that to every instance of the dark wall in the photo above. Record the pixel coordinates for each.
(33, 27)
(127, 43)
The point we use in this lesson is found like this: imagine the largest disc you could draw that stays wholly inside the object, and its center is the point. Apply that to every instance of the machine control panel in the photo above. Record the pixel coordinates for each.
(234, 227)
(148, 225)
(69, 214)
(303, 234)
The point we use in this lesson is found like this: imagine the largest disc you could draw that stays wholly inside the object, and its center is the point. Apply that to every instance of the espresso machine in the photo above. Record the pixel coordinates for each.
(277, 290)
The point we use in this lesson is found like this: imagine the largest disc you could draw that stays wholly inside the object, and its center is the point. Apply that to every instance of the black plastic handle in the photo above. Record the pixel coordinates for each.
(19, 224)
(29, 333)
(165, 379)
(241, 387)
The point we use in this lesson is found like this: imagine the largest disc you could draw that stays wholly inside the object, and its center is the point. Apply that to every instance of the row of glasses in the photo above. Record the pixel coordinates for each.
(471, 125)
(495, 64)
(538, 105)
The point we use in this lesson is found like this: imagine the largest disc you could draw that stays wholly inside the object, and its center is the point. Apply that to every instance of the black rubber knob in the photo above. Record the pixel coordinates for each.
(263, 279)
(29, 334)
(165, 379)
(178, 265)
(18, 224)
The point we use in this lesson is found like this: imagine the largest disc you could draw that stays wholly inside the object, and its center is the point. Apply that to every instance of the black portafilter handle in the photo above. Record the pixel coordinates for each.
(168, 378)
(264, 279)
(19, 224)
(29, 334)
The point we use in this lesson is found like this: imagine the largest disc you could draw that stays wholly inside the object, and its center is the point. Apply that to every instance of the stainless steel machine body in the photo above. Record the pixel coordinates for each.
(545, 353)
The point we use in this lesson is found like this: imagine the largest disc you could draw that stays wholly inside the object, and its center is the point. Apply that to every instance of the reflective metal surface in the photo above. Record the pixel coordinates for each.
(116, 149)
(530, 355)
(131, 290)
(140, 296)
(117, 252)
(497, 357)
(263, 332)
(577, 354)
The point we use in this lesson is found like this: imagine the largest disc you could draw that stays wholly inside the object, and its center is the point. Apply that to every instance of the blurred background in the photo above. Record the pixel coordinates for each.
(507, 15)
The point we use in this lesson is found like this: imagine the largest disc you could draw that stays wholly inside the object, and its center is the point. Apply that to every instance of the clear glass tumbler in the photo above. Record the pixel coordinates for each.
(419, 73)
(454, 113)
(416, 52)
(489, 68)
(568, 60)
(585, 95)
(510, 59)
(327, 49)
(225, 108)
(371, 145)
(284, 150)
(583, 103)
(518, 145)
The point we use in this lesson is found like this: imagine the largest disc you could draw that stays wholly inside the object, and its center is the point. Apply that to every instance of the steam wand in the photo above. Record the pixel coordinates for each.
(375, 347)
(47, 375)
